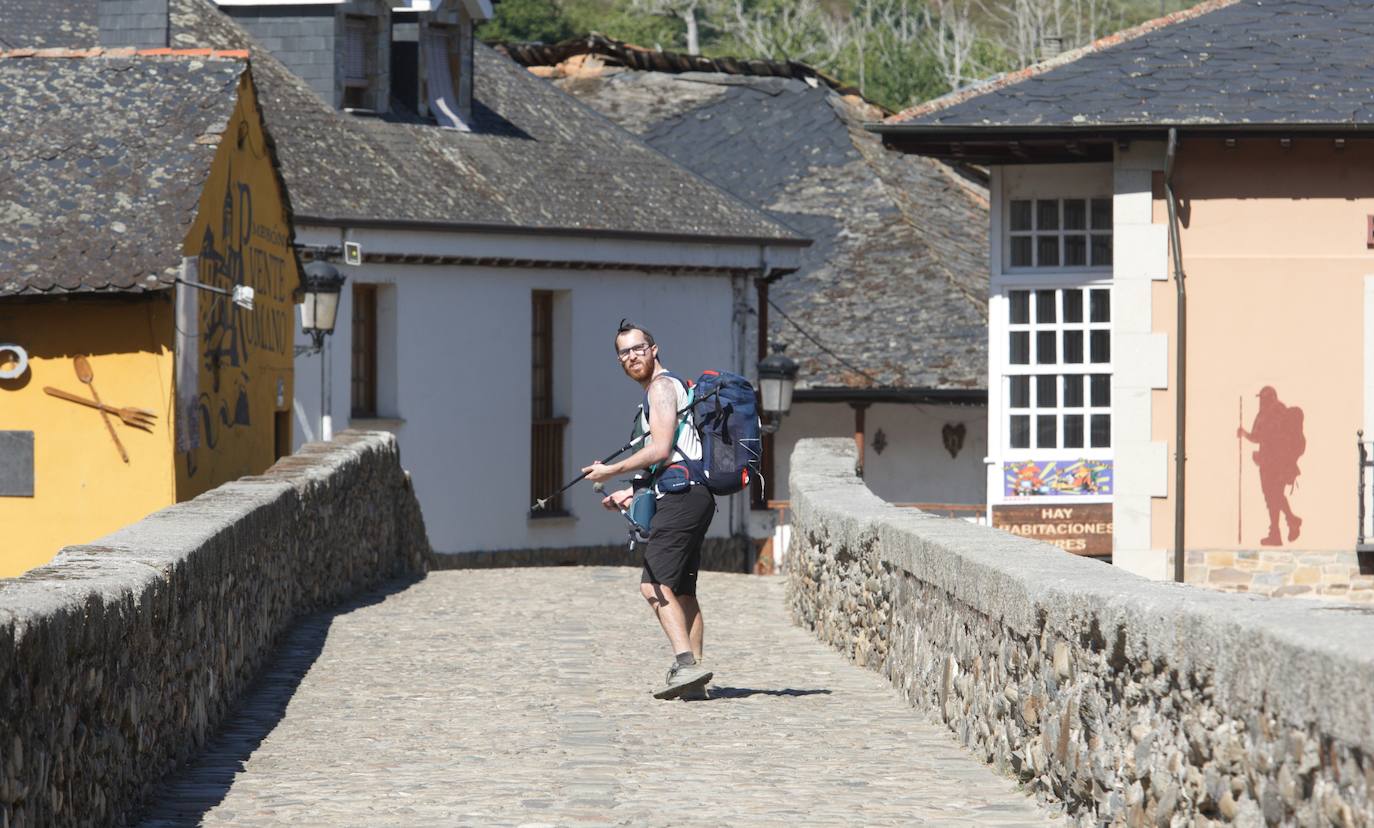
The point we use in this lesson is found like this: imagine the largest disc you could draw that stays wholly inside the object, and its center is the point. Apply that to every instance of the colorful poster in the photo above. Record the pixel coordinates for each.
(1057, 478)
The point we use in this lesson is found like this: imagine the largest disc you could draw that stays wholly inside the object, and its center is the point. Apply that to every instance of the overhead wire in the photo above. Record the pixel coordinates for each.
(804, 332)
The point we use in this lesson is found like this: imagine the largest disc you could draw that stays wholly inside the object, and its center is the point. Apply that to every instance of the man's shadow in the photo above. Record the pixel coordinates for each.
(717, 693)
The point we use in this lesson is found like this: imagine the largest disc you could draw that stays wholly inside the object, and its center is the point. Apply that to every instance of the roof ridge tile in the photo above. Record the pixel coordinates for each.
(124, 52)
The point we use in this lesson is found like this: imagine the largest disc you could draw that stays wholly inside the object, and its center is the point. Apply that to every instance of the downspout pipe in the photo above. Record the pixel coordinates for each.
(1181, 361)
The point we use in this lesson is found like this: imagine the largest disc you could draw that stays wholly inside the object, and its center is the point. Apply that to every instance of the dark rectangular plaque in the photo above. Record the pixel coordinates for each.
(16, 464)
(1080, 528)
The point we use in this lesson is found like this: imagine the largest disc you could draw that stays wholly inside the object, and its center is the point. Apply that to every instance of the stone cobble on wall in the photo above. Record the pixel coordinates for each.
(120, 657)
(1281, 573)
(1125, 701)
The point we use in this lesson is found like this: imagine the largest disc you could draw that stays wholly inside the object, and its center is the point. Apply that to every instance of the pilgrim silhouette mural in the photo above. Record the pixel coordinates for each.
(1278, 432)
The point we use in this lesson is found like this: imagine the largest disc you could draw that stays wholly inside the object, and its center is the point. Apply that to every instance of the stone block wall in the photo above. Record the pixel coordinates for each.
(1281, 572)
(138, 23)
(120, 657)
(302, 37)
(1120, 700)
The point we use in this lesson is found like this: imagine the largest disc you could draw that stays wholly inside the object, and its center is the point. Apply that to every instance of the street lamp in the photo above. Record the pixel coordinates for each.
(777, 376)
(321, 285)
(320, 309)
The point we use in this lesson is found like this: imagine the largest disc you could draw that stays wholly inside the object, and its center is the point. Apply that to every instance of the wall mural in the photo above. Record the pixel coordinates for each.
(1278, 431)
(1057, 478)
(240, 237)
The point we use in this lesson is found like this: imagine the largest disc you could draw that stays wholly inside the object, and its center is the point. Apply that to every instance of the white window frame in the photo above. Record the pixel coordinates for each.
(1058, 368)
(1048, 181)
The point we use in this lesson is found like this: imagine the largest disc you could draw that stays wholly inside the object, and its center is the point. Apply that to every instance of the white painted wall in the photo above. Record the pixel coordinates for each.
(914, 467)
(458, 379)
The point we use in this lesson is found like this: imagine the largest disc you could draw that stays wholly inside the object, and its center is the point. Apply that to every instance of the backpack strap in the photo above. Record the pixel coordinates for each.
(682, 416)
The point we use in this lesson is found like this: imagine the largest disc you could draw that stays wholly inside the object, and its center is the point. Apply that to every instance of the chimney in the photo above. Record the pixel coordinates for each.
(138, 23)
(1051, 46)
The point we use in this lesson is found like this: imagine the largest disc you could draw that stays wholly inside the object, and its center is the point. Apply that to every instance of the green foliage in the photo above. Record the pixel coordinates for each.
(617, 19)
(524, 21)
(890, 49)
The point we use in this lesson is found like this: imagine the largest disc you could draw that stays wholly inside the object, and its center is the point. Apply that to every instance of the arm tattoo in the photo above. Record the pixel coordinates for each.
(662, 395)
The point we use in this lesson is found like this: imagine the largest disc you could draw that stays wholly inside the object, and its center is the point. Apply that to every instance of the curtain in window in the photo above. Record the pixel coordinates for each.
(355, 51)
(443, 102)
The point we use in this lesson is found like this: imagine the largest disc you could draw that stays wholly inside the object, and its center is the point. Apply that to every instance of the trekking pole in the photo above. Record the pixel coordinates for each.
(543, 502)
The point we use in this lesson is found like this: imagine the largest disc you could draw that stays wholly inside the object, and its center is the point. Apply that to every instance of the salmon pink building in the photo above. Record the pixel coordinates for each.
(1182, 293)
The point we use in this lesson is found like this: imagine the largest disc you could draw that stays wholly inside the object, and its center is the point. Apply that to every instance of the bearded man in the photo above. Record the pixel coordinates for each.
(669, 463)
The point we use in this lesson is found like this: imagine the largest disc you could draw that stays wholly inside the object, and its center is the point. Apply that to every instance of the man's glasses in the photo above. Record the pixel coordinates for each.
(637, 350)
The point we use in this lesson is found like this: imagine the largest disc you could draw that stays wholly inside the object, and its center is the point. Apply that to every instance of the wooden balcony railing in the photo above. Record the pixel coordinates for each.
(546, 463)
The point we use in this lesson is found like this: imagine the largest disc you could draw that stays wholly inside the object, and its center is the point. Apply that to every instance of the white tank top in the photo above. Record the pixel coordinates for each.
(688, 444)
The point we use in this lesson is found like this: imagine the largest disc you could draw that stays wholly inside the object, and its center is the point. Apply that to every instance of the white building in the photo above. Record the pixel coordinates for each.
(498, 256)
(887, 313)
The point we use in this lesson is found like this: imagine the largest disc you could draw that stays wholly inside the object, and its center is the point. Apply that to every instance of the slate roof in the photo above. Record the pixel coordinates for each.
(40, 25)
(102, 162)
(1247, 63)
(535, 159)
(896, 280)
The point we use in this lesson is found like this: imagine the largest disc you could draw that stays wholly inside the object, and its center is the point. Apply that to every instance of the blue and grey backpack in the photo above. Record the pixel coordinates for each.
(723, 407)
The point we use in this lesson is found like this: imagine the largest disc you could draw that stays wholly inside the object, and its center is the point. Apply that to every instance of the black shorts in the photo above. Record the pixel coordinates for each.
(672, 554)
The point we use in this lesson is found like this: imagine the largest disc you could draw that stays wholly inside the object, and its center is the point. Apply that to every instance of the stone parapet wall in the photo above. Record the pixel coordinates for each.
(120, 657)
(717, 555)
(1281, 572)
(1121, 700)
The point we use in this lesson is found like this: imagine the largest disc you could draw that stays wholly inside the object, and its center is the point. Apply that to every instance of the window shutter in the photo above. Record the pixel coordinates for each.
(355, 51)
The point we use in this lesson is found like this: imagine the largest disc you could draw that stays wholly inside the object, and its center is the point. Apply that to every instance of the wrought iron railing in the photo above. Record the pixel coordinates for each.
(1364, 536)
(546, 463)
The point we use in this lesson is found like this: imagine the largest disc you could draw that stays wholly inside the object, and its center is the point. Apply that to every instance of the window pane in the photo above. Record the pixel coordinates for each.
(1020, 392)
(1021, 251)
(1073, 305)
(1044, 306)
(1020, 431)
(1073, 390)
(1101, 389)
(1044, 348)
(1075, 251)
(1073, 431)
(1020, 215)
(1102, 250)
(1100, 306)
(1073, 347)
(1020, 347)
(1046, 391)
(1047, 214)
(1075, 214)
(1101, 346)
(1102, 430)
(1046, 251)
(1046, 431)
(1102, 214)
(1020, 307)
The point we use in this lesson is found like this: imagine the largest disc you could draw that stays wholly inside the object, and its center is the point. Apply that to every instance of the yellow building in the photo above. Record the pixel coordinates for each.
(121, 181)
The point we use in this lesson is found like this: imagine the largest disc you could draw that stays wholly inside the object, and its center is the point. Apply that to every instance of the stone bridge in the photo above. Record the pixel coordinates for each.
(273, 652)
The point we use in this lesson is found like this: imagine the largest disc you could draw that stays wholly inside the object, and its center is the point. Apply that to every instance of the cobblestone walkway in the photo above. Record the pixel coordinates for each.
(522, 697)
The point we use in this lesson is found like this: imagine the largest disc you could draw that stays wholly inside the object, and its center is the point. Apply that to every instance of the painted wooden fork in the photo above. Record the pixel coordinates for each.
(134, 417)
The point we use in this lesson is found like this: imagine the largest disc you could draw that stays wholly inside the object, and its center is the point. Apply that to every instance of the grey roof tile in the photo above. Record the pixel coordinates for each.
(535, 159)
(1259, 62)
(101, 169)
(896, 279)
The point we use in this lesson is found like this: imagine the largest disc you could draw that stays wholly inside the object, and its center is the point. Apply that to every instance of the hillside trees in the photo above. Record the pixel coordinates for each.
(897, 52)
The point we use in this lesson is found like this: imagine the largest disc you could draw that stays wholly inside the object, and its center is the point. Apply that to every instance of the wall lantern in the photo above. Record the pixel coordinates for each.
(321, 284)
(777, 376)
(320, 308)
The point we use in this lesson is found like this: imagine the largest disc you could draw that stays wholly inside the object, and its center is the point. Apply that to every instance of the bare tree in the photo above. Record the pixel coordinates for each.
(685, 10)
